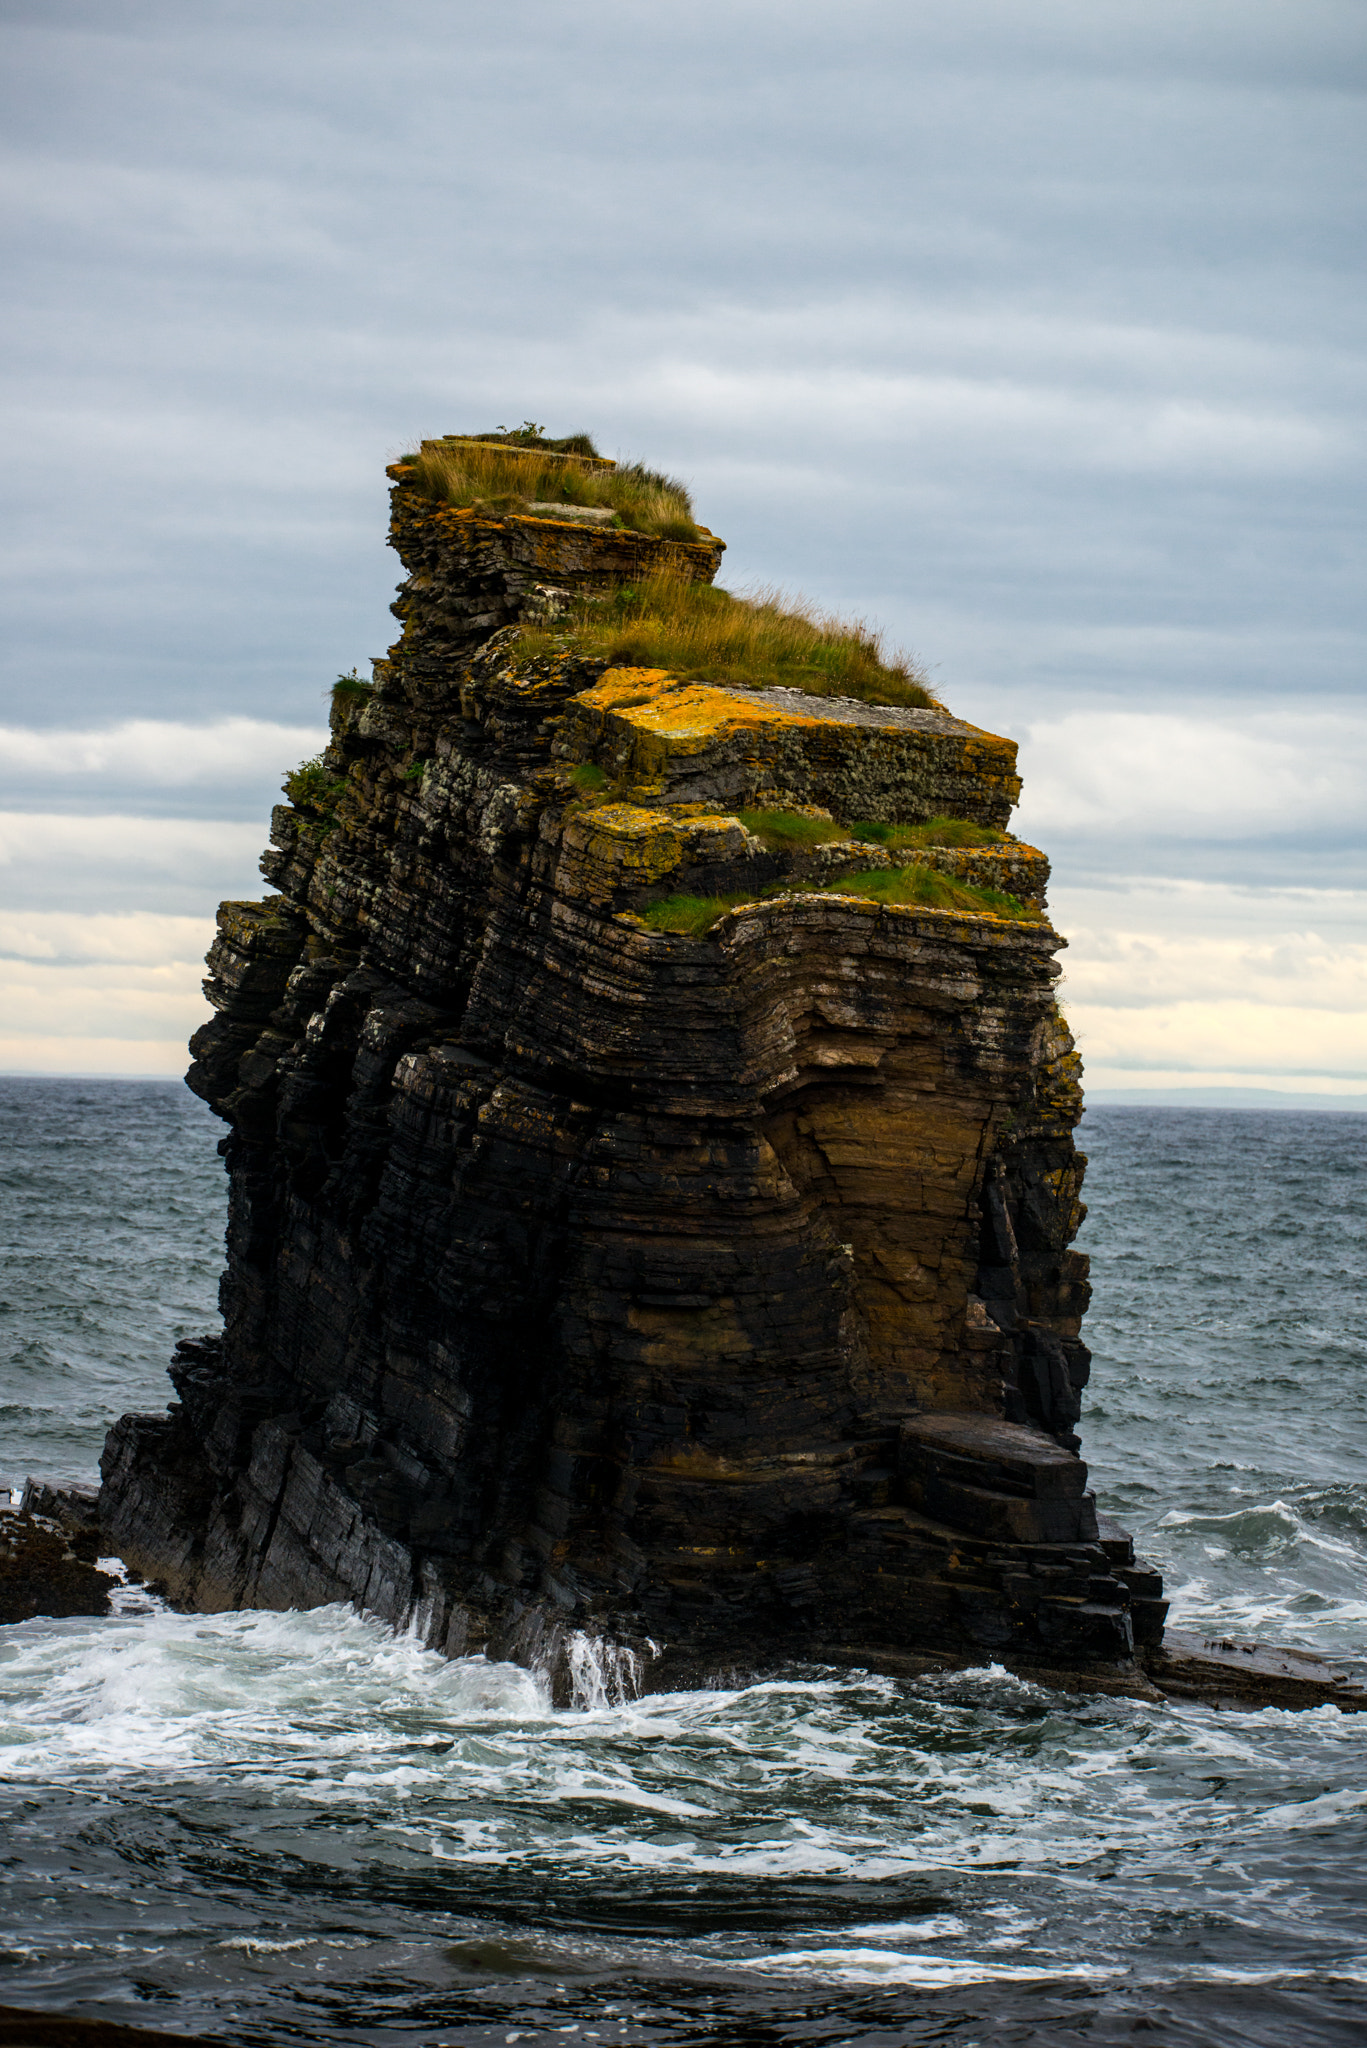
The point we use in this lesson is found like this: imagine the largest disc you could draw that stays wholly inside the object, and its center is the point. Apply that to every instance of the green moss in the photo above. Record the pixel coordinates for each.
(789, 831)
(691, 916)
(588, 778)
(917, 884)
(694, 916)
(934, 832)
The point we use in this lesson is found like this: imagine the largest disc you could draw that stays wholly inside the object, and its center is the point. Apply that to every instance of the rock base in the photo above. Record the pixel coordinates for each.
(48, 1548)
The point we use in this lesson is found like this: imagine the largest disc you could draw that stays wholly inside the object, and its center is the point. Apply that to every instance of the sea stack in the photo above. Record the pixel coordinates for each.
(652, 1165)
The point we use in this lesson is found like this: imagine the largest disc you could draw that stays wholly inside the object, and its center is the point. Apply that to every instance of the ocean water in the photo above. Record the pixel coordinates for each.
(304, 1828)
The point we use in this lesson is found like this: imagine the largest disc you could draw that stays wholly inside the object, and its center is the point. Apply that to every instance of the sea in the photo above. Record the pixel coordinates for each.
(305, 1828)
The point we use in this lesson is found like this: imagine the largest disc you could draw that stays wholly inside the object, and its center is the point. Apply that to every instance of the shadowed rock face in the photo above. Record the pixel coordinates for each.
(707, 1297)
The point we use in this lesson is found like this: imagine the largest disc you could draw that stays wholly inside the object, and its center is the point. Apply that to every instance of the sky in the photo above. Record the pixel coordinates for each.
(1033, 332)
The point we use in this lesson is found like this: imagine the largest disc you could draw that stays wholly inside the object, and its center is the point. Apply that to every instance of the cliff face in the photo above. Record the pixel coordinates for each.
(672, 1299)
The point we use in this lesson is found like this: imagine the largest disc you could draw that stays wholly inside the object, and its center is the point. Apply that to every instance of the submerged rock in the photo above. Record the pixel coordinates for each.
(645, 1247)
(22, 2027)
(48, 1549)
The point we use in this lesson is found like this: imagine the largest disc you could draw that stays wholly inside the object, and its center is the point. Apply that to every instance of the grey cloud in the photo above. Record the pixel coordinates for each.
(224, 769)
(111, 864)
(1029, 330)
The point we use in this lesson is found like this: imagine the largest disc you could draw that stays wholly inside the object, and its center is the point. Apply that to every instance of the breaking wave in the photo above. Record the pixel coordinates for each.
(306, 1827)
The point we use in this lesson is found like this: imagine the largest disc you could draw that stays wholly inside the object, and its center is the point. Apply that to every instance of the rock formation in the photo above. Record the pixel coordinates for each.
(607, 1296)
(48, 1551)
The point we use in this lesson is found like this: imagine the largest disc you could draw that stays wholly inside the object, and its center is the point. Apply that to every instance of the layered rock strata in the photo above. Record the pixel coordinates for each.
(683, 1302)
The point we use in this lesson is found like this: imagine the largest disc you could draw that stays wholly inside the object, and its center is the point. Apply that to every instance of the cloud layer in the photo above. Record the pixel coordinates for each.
(1248, 794)
(161, 753)
(1034, 333)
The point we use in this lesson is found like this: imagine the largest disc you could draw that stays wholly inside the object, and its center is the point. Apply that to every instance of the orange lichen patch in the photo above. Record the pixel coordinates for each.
(627, 846)
(648, 729)
(685, 717)
(620, 688)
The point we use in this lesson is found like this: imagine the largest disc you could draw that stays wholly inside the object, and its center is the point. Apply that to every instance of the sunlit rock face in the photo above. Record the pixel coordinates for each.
(704, 1290)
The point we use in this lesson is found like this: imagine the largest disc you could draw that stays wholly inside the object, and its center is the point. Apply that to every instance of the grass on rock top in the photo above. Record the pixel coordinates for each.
(702, 634)
(503, 478)
(350, 690)
(792, 831)
(933, 832)
(693, 916)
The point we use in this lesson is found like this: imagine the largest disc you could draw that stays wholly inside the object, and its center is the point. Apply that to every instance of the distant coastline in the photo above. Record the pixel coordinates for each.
(1299, 1100)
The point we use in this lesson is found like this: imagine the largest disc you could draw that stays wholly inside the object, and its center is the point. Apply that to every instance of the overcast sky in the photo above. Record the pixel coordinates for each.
(1032, 328)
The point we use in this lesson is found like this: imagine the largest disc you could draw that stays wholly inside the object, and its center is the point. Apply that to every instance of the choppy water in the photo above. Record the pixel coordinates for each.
(301, 1828)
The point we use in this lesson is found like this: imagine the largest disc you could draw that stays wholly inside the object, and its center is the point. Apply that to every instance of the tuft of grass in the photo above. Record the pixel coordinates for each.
(351, 689)
(918, 884)
(701, 633)
(690, 917)
(503, 477)
(530, 435)
(789, 831)
(934, 832)
(694, 916)
(588, 778)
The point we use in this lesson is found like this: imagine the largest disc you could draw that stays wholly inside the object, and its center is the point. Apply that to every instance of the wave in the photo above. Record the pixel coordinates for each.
(1275, 1528)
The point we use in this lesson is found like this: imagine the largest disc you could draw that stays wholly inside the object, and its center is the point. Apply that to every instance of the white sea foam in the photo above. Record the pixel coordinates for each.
(170, 1691)
(894, 1966)
(602, 1673)
(222, 1794)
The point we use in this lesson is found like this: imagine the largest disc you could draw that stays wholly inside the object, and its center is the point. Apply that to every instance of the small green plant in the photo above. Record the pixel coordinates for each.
(531, 435)
(934, 832)
(313, 786)
(415, 770)
(588, 778)
(351, 689)
(314, 789)
(789, 831)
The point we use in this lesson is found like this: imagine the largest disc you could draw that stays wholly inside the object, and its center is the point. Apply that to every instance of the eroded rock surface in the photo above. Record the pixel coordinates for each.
(705, 1298)
(48, 1551)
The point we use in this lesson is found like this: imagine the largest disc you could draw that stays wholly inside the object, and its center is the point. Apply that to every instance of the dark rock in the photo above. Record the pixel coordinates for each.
(1243, 1675)
(47, 1560)
(22, 2028)
(701, 1301)
(74, 1509)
